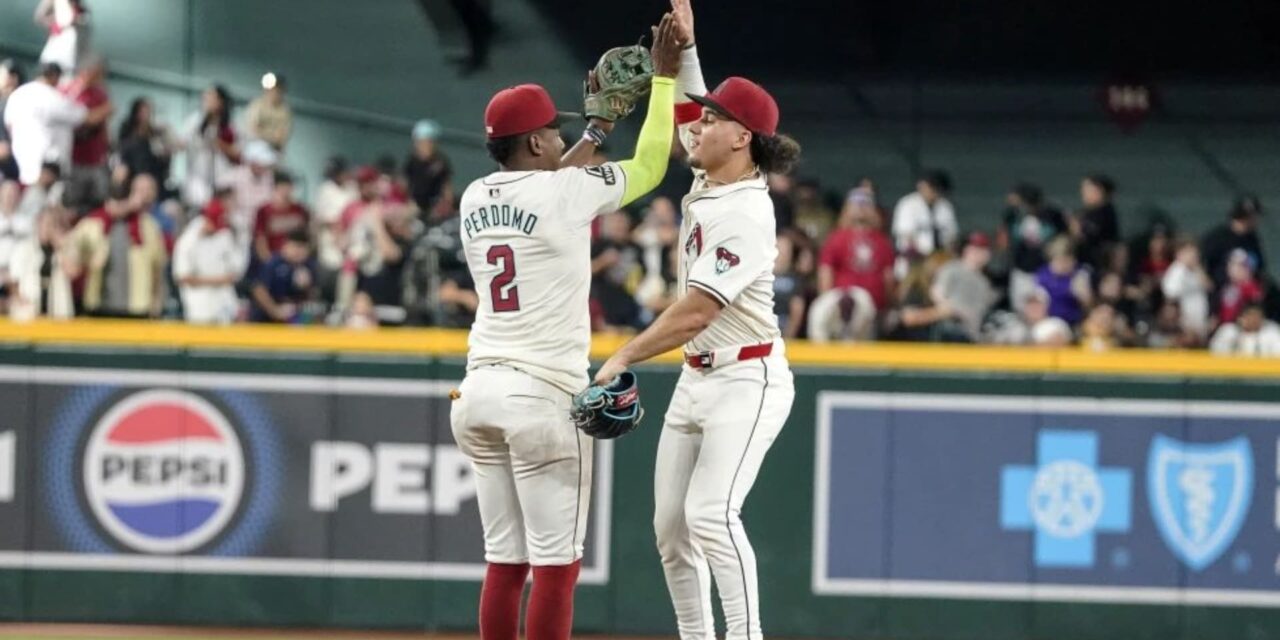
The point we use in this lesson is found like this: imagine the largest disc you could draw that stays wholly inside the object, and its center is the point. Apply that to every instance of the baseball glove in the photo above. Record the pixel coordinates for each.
(610, 411)
(617, 84)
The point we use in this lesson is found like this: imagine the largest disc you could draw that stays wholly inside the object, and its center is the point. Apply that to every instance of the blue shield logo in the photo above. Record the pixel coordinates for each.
(1199, 495)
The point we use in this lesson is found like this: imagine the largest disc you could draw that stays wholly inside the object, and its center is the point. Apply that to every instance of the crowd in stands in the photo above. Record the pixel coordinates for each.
(93, 222)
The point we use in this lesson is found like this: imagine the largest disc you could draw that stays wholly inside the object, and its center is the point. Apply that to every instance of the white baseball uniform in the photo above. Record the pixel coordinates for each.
(725, 415)
(527, 238)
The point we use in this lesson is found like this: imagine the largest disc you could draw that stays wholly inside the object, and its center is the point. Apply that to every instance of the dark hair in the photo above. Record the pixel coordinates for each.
(224, 118)
(501, 149)
(937, 178)
(51, 71)
(223, 193)
(775, 154)
(1245, 206)
(282, 177)
(1103, 182)
(386, 163)
(299, 236)
(53, 167)
(334, 167)
(130, 124)
(1030, 194)
(14, 69)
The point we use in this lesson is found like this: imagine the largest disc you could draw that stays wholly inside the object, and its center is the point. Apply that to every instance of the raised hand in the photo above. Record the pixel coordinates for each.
(683, 12)
(666, 48)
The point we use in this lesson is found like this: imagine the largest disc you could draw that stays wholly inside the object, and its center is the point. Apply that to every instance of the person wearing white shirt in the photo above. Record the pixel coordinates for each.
(15, 228)
(924, 221)
(207, 262)
(1250, 335)
(332, 198)
(68, 25)
(42, 122)
(1186, 283)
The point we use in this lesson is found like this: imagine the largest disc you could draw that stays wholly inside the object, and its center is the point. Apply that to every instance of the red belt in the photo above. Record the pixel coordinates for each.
(721, 357)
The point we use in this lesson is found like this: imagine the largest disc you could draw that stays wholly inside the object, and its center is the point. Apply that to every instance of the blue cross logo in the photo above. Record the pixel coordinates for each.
(1065, 498)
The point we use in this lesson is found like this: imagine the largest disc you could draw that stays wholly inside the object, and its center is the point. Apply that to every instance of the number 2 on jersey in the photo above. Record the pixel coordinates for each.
(503, 290)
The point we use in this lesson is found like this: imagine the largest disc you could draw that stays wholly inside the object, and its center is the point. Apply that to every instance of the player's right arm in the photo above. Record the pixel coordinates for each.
(689, 80)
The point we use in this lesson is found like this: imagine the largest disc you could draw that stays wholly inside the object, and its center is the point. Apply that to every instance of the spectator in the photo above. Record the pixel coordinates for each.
(211, 147)
(254, 185)
(458, 299)
(1187, 286)
(1252, 334)
(1239, 232)
(1097, 226)
(207, 263)
(616, 269)
(1030, 225)
(657, 237)
(121, 252)
(429, 173)
(45, 194)
(1171, 331)
(69, 34)
(145, 146)
(781, 186)
(370, 192)
(10, 80)
(268, 117)
(1127, 311)
(924, 221)
(333, 196)
(858, 254)
(793, 286)
(1066, 282)
(361, 315)
(285, 283)
(15, 229)
(962, 286)
(38, 269)
(812, 215)
(1242, 288)
(278, 219)
(391, 181)
(1030, 325)
(41, 122)
(842, 315)
(89, 181)
(380, 245)
(922, 317)
(1098, 331)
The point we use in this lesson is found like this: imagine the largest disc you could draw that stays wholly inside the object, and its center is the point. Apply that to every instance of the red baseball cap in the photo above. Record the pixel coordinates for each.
(744, 101)
(367, 173)
(521, 109)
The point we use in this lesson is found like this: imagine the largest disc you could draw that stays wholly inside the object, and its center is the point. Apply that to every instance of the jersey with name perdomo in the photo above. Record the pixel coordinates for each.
(527, 238)
(729, 240)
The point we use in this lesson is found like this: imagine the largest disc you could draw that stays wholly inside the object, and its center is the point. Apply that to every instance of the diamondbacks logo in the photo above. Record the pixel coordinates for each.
(604, 172)
(693, 246)
(163, 472)
(725, 260)
(1199, 494)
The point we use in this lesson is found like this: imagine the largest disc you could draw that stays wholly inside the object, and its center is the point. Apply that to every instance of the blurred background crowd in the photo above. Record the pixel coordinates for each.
(107, 211)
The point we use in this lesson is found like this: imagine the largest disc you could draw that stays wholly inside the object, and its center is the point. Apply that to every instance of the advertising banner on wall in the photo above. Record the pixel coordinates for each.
(244, 474)
(1047, 498)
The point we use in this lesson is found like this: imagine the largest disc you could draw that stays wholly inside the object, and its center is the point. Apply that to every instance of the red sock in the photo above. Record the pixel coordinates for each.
(550, 615)
(500, 601)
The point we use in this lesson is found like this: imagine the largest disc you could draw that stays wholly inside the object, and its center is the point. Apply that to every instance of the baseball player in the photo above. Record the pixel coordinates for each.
(526, 235)
(735, 391)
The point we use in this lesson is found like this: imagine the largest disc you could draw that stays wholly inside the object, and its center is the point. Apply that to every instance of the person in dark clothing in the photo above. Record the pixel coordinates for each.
(1097, 226)
(428, 171)
(145, 146)
(285, 283)
(1240, 231)
(1031, 224)
(615, 265)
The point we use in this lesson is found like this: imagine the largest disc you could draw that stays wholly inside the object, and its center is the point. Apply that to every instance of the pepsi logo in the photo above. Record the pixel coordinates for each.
(164, 471)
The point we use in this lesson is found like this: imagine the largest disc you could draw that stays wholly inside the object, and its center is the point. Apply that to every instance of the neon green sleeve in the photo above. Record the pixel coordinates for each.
(653, 148)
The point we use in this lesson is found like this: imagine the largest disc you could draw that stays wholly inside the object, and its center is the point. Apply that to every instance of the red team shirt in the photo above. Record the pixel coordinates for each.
(276, 223)
(859, 258)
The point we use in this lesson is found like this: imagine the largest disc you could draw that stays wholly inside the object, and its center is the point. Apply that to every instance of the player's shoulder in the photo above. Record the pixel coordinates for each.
(749, 203)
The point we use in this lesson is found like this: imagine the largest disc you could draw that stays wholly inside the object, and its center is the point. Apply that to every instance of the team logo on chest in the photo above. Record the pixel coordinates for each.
(693, 246)
(725, 260)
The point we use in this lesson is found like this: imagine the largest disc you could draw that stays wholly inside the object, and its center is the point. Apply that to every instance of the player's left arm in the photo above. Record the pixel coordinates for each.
(680, 323)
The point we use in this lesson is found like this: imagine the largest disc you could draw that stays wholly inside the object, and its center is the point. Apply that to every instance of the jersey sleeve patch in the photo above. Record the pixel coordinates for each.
(725, 260)
(603, 172)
